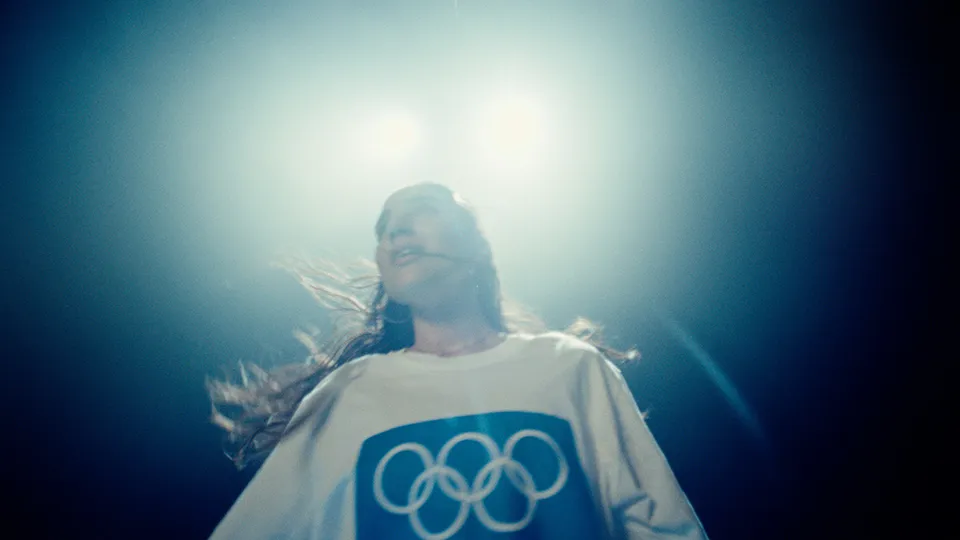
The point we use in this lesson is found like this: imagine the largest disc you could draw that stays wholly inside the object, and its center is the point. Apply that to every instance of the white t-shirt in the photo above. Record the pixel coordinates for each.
(538, 437)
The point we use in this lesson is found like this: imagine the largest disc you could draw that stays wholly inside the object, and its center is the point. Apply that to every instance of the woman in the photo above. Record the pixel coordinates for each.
(437, 420)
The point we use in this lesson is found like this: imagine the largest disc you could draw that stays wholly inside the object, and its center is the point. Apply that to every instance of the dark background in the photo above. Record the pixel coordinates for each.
(106, 431)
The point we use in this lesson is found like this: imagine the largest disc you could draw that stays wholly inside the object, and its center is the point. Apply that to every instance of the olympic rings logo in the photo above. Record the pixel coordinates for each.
(455, 485)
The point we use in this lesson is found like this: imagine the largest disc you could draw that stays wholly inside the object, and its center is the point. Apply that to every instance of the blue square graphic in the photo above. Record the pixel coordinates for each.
(505, 475)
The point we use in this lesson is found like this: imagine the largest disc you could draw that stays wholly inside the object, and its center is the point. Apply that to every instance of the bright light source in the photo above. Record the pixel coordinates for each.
(515, 126)
(393, 136)
(512, 131)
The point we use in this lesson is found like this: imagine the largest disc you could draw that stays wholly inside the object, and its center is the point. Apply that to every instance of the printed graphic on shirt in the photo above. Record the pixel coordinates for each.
(505, 475)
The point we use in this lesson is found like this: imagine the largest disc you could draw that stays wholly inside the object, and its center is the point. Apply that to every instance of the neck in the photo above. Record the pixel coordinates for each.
(452, 334)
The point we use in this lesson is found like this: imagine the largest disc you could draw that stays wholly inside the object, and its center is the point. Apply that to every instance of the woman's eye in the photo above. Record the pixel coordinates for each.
(383, 227)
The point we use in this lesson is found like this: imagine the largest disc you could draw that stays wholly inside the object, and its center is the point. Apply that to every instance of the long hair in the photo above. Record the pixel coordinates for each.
(256, 411)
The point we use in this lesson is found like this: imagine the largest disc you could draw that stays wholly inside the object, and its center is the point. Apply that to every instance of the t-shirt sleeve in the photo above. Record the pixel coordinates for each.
(641, 493)
(274, 500)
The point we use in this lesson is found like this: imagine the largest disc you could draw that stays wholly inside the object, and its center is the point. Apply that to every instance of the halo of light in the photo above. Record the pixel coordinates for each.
(512, 131)
(388, 137)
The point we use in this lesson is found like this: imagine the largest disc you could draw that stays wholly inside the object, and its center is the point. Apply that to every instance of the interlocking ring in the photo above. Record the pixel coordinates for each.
(455, 486)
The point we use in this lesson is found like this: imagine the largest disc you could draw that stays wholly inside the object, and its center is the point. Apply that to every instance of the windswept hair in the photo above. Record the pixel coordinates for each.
(256, 411)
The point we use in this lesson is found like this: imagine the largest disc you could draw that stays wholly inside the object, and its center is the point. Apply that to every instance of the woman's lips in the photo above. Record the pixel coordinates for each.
(403, 260)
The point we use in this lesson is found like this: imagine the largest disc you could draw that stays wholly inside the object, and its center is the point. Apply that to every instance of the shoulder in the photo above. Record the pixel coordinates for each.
(561, 343)
(585, 356)
(578, 361)
(325, 394)
(566, 349)
(343, 375)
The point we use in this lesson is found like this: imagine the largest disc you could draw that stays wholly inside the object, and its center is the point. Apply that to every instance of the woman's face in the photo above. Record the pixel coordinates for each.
(417, 224)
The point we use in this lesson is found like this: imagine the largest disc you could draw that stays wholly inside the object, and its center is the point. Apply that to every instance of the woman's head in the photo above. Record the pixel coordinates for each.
(453, 266)
(432, 257)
